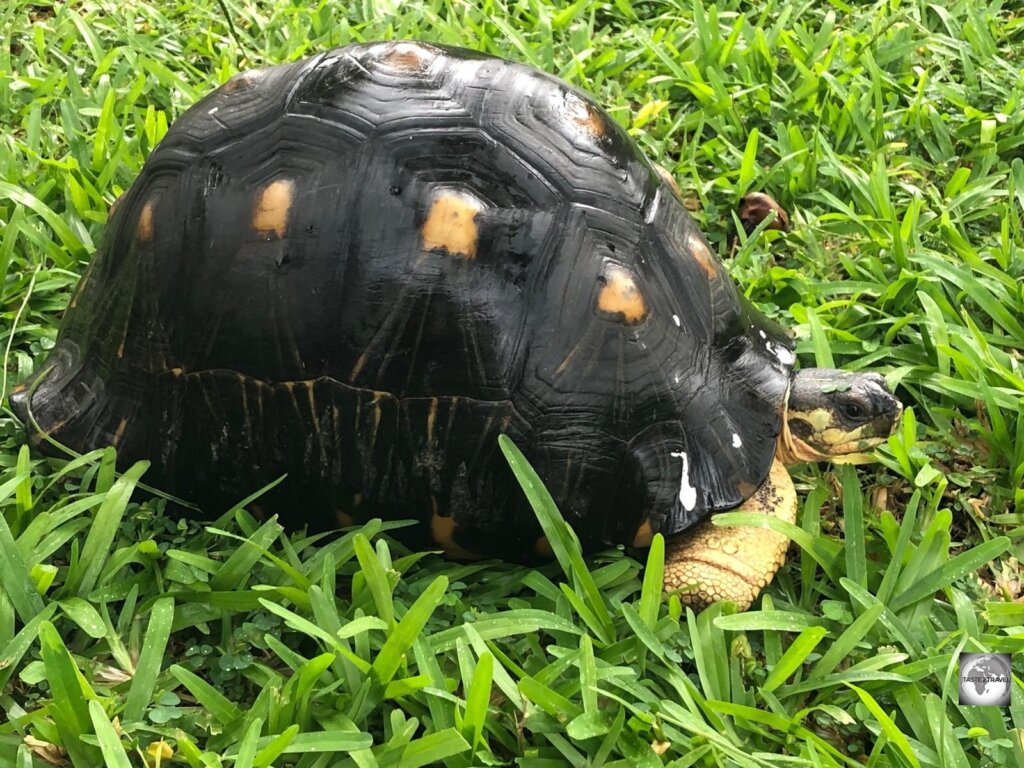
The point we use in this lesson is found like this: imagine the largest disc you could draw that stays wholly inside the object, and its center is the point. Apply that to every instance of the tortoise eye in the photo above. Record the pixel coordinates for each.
(852, 411)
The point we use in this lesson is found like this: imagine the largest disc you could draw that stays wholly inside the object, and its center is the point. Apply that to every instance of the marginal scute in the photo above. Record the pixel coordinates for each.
(620, 297)
(273, 208)
(451, 224)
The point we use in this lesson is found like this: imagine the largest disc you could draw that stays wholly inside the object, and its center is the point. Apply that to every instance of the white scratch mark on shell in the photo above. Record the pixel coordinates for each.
(687, 493)
(782, 354)
(676, 319)
(736, 442)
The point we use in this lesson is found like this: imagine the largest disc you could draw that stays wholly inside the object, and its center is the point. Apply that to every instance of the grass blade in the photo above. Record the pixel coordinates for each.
(84, 574)
(148, 669)
(114, 755)
(408, 629)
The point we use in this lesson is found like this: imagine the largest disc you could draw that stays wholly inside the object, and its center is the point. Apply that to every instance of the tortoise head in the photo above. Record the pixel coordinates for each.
(837, 416)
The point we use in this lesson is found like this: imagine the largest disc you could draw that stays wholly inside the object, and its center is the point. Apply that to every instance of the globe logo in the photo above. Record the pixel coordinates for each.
(985, 679)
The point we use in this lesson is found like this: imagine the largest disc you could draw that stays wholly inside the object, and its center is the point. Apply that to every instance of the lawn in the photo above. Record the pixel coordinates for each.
(892, 132)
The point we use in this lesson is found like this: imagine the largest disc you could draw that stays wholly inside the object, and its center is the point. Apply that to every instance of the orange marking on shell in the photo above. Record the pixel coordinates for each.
(273, 207)
(620, 296)
(701, 253)
(408, 57)
(669, 179)
(585, 116)
(119, 432)
(242, 81)
(451, 225)
(344, 519)
(144, 229)
(568, 359)
(644, 535)
(52, 429)
(543, 547)
(259, 512)
(431, 419)
(81, 284)
(442, 529)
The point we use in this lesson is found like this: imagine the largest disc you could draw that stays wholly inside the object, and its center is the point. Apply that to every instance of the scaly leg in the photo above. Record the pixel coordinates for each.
(733, 563)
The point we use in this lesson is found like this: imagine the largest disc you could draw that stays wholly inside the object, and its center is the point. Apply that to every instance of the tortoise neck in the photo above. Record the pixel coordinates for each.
(790, 449)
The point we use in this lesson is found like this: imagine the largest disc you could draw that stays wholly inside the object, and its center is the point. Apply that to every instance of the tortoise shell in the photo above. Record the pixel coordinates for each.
(359, 269)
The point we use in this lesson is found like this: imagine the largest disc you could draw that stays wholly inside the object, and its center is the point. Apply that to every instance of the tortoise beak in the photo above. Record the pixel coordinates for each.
(886, 406)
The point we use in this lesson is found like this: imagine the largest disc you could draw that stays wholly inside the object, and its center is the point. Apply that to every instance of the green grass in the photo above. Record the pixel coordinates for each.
(893, 133)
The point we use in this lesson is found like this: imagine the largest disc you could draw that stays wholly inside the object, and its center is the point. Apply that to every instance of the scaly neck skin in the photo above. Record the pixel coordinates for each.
(792, 450)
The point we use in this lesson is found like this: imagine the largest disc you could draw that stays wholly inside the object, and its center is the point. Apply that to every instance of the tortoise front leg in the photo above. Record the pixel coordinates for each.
(734, 564)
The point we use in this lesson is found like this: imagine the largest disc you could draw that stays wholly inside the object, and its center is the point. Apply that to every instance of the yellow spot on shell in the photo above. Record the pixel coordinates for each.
(442, 529)
(620, 296)
(644, 535)
(272, 209)
(144, 228)
(701, 253)
(451, 224)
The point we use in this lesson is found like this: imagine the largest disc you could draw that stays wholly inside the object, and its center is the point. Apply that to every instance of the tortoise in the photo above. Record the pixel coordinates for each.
(361, 268)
